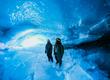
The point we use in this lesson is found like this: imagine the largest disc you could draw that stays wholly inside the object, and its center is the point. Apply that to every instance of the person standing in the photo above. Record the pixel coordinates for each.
(58, 51)
(48, 51)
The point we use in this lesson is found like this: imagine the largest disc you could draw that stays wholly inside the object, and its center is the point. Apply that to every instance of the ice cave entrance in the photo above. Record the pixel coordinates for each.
(27, 39)
(33, 41)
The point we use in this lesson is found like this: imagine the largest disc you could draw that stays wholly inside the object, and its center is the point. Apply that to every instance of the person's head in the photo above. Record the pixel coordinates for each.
(58, 41)
(48, 41)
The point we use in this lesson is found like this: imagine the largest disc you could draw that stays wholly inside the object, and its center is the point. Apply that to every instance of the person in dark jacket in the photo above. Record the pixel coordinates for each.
(48, 51)
(58, 51)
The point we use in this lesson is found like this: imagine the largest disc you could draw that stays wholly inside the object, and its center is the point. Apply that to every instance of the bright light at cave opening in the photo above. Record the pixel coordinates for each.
(33, 41)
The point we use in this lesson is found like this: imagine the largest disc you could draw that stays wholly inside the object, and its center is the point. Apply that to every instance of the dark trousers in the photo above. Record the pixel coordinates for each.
(50, 58)
(58, 60)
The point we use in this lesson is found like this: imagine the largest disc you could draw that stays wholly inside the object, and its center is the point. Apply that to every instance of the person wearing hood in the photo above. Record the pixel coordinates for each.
(58, 51)
(48, 50)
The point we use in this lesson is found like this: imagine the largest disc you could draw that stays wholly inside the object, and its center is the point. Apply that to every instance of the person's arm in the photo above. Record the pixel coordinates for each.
(46, 49)
(54, 49)
(62, 49)
(51, 48)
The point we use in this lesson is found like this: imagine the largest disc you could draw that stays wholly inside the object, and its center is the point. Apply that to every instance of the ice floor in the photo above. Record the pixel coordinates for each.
(32, 64)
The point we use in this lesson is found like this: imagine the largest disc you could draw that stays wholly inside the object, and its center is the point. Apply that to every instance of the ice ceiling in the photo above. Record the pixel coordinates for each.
(50, 18)
(52, 14)
(61, 16)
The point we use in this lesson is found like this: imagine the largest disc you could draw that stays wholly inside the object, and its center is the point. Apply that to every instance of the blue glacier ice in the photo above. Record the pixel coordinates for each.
(25, 26)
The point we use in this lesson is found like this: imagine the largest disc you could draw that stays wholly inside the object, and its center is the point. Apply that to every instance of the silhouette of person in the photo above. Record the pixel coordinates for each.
(58, 51)
(48, 51)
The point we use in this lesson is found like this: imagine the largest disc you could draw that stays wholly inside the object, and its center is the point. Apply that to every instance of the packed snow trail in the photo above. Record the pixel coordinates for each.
(32, 64)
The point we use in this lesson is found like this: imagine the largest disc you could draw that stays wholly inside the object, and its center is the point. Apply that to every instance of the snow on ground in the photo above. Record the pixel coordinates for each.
(32, 64)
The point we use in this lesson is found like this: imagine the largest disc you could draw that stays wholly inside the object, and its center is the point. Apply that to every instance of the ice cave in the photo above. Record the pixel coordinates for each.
(82, 25)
